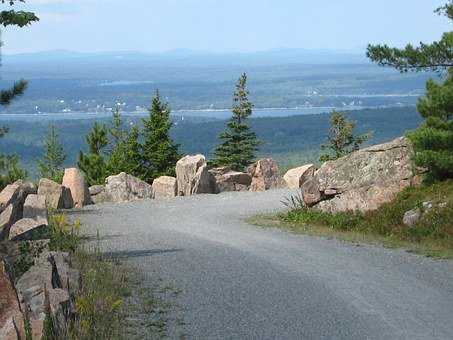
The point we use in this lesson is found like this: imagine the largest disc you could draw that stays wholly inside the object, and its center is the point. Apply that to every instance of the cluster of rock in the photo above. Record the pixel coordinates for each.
(192, 177)
(44, 289)
(361, 181)
(23, 206)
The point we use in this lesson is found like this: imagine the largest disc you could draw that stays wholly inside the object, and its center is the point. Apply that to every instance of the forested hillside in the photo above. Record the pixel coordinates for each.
(288, 139)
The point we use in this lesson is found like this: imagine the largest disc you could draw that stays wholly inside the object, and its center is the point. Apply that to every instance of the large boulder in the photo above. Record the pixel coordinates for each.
(74, 180)
(11, 321)
(35, 207)
(362, 180)
(7, 218)
(265, 175)
(99, 194)
(125, 188)
(193, 176)
(43, 286)
(165, 187)
(27, 229)
(16, 194)
(56, 195)
(12, 199)
(229, 180)
(296, 177)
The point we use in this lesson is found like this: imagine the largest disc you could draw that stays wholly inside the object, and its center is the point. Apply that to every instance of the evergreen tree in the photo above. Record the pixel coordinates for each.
(433, 140)
(341, 139)
(125, 148)
(239, 143)
(159, 152)
(93, 163)
(10, 170)
(51, 166)
(18, 19)
(117, 130)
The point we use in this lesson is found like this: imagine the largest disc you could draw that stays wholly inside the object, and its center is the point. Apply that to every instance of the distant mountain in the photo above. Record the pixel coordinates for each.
(194, 58)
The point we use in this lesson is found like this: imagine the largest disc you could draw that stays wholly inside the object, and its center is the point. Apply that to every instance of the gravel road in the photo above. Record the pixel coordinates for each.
(242, 282)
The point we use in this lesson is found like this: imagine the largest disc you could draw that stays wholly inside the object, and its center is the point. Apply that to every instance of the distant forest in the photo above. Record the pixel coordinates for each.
(290, 140)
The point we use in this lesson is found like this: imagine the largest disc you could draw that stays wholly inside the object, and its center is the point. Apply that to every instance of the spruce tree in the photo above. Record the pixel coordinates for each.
(341, 139)
(159, 152)
(125, 155)
(433, 140)
(93, 163)
(51, 166)
(238, 143)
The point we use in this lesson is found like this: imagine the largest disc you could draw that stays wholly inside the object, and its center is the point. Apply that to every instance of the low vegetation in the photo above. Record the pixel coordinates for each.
(432, 235)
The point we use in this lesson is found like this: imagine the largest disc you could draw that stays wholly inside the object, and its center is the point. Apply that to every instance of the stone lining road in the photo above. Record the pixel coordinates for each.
(242, 282)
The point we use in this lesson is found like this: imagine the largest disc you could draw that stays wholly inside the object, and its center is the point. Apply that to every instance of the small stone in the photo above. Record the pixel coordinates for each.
(412, 217)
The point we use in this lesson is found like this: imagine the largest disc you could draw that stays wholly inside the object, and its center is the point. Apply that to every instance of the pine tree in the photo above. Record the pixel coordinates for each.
(125, 155)
(433, 140)
(341, 139)
(51, 166)
(18, 19)
(239, 143)
(10, 170)
(159, 152)
(436, 56)
(93, 163)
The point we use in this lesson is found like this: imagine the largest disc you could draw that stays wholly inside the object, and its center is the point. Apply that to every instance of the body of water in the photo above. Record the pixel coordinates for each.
(213, 114)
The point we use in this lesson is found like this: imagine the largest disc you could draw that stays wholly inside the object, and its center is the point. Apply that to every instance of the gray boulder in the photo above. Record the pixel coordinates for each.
(10, 313)
(412, 217)
(16, 194)
(56, 195)
(193, 176)
(229, 180)
(7, 218)
(47, 282)
(27, 229)
(125, 188)
(35, 207)
(363, 180)
(99, 194)
(165, 187)
(265, 175)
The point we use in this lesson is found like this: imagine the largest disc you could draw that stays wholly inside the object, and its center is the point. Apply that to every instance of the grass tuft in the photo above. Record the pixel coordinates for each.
(431, 236)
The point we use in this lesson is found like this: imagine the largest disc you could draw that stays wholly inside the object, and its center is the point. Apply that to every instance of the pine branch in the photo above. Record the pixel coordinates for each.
(6, 96)
(17, 18)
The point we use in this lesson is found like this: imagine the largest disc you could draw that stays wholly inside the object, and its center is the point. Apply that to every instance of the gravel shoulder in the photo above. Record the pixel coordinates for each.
(239, 281)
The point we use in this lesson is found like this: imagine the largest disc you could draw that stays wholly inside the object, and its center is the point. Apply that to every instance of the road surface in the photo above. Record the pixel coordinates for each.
(239, 281)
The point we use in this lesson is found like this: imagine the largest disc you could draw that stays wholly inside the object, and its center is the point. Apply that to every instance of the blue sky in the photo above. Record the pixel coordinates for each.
(224, 25)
